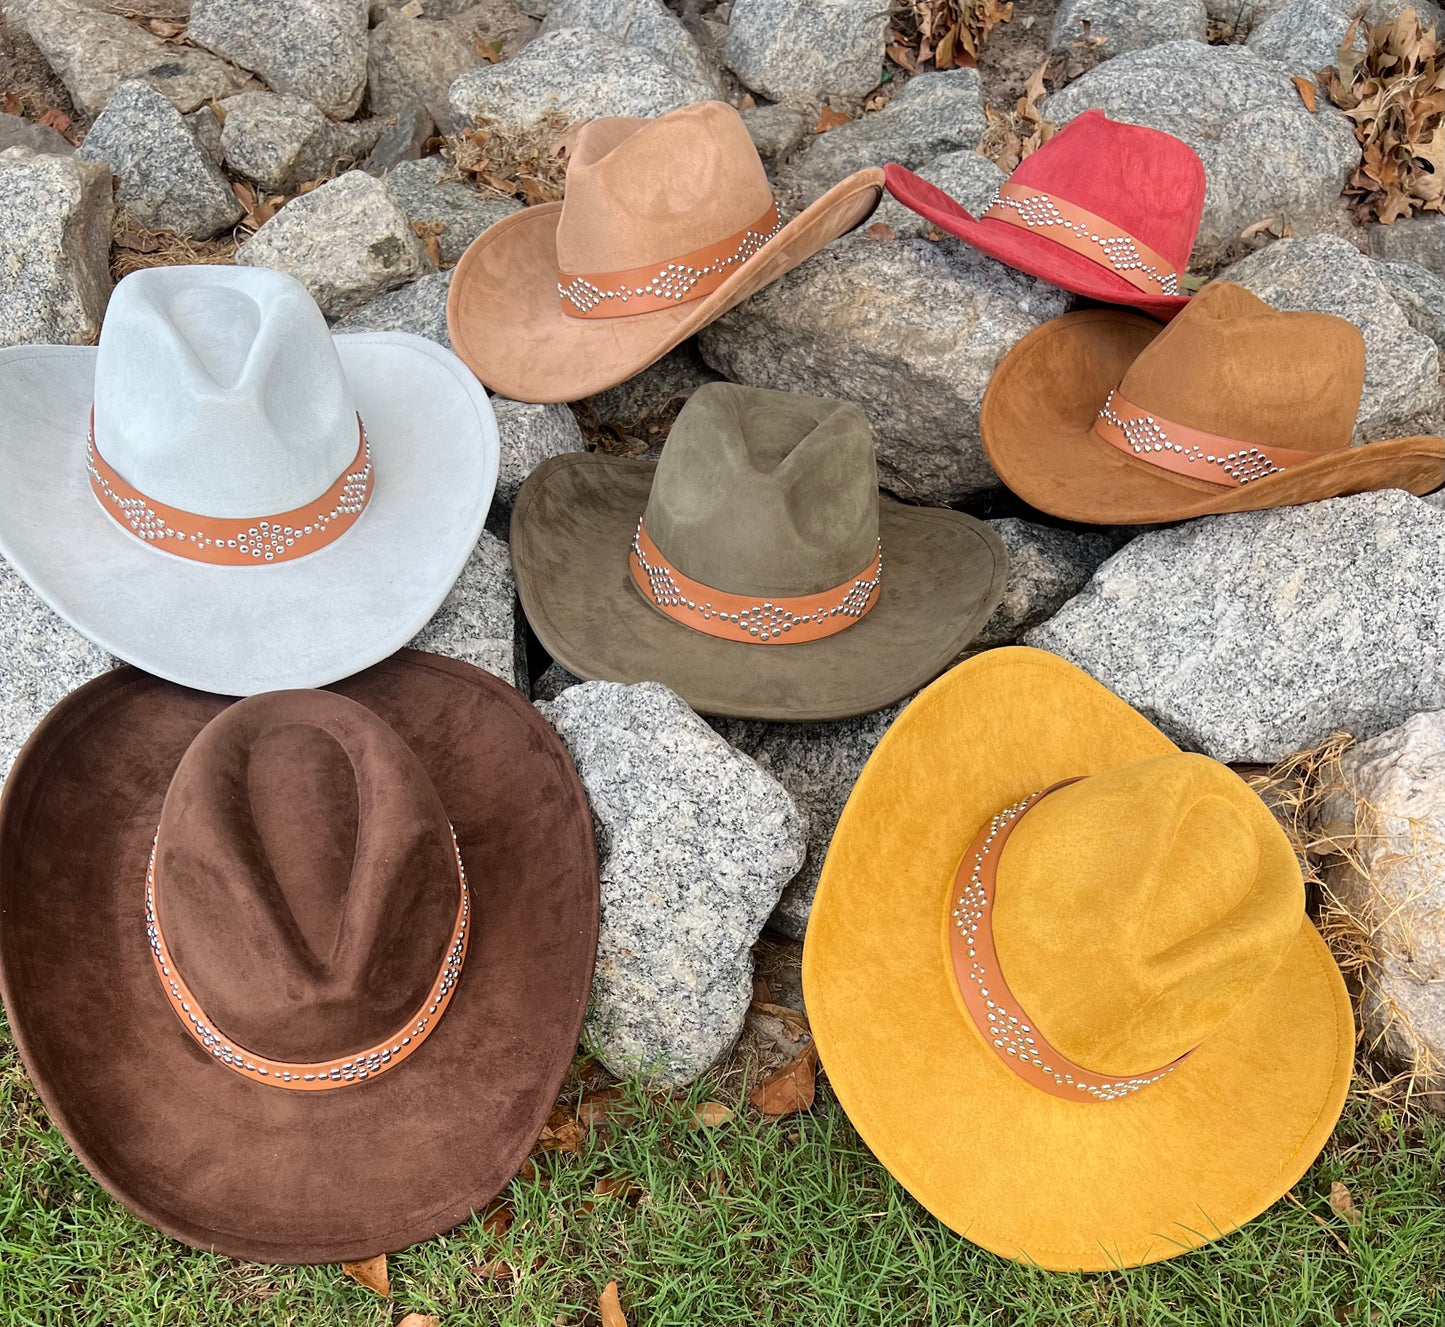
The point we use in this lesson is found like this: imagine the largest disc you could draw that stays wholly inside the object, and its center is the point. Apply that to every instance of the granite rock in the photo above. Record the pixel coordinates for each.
(419, 307)
(1304, 36)
(431, 196)
(1420, 295)
(1402, 393)
(404, 138)
(910, 331)
(696, 844)
(1254, 635)
(1128, 25)
(552, 681)
(1418, 239)
(313, 48)
(278, 141)
(801, 50)
(18, 132)
(818, 764)
(647, 403)
(647, 23)
(1265, 154)
(168, 181)
(578, 74)
(1389, 815)
(502, 25)
(775, 130)
(939, 113)
(93, 52)
(415, 61)
(1046, 568)
(55, 218)
(967, 177)
(529, 434)
(479, 622)
(346, 242)
(207, 129)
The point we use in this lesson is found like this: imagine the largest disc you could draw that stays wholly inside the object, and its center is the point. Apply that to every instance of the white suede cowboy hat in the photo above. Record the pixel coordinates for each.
(261, 505)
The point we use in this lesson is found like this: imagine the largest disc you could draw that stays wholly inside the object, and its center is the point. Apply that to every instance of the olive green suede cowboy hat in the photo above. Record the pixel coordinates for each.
(754, 568)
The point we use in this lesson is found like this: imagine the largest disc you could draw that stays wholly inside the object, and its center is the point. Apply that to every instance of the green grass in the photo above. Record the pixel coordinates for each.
(752, 1222)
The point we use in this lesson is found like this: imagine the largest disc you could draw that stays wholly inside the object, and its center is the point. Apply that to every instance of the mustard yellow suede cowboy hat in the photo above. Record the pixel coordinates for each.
(1061, 977)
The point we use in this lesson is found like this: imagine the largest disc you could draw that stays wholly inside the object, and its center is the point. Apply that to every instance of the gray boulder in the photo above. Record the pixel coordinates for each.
(1046, 568)
(313, 48)
(801, 50)
(647, 23)
(430, 199)
(1388, 815)
(1265, 154)
(1254, 635)
(645, 405)
(696, 844)
(939, 113)
(279, 141)
(55, 218)
(168, 181)
(911, 331)
(404, 138)
(1418, 239)
(415, 61)
(1304, 36)
(93, 52)
(967, 177)
(1402, 369)
(1128, 25)
(346, 242)
(818, 764)
(479, 622)
(18, 132)
(419, 307)
(775, 130)
(576, 73)
(1420, 295)
(529, 434)
(207, 129)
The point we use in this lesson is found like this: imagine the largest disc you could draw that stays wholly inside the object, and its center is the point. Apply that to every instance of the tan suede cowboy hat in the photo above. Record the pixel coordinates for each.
(1061, 976)
(754, 569)
(666, 225)
(298, 976)
(1104, 416)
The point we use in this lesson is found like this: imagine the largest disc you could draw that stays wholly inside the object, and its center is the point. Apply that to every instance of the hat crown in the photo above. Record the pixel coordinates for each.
(764, 492)
(1137, 909)
(1146, 182)
(218, 391)
(648, 191)
(1230, 364)
(305, 876)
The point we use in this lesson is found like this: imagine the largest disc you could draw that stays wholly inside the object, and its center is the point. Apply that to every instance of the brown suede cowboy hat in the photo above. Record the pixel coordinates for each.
(276, 1008)
(754, 569)
(666, 225)
(1105, 416)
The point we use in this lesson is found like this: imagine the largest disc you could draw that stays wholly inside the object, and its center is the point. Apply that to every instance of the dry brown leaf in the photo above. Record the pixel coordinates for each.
(1259, 227)
(498, 1220)
(1010, 138)
(11, 104)
(427, 232)
(746, 102)
(166, 29)
(951, 32)
(828, 118)
(1307, 91)
(609, 1307)
(420, 1320)
(57, 120)
(795, 1020)
(497, 1270)
(490, 51)
(616, 1186)
(136, 240)
(789, 1089)
(901, 56)
(536, 191)
(709, 1115)
(370, 1272)
(879, 230)
(1343, 1204)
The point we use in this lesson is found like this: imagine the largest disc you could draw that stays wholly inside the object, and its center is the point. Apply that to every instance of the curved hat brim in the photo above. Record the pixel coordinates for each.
(1042, 443)
(1069, 1186)
(224, 1163)
(505, 317)
(241, 630)
(1026, 250)
(572, 529)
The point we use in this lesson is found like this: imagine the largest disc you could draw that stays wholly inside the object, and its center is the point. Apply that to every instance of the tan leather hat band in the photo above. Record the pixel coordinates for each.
(1000, 1018)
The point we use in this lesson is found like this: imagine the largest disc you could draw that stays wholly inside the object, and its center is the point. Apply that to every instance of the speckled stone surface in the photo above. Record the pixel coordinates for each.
(42, 659)
(415, 61)
(552, 681)
(818, 763)
(1046, 568)
(965, 176)
(479, 620)
(1304, 36)
(430, 199)
(279, 141)
(646, 23)
(655, 395)
(800, 50)
(1257, 634)
(419, 307)
(696, 844)
(1127, 25)
(529, 434)
(1419, 293)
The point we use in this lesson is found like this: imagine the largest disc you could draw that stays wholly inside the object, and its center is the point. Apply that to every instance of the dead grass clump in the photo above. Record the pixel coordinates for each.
(950, 33)
(133, 247)
(1010, 138)
(529, 166)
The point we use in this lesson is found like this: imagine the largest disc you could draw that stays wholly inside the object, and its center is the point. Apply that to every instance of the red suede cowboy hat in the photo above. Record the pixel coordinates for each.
(1105, 209)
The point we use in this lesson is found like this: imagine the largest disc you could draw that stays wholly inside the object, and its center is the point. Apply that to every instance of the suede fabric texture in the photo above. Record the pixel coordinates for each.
(1090, 1185)
(1148, 183)
(1229, 365)
(189, 1145)
(761, 493)
(646, 191)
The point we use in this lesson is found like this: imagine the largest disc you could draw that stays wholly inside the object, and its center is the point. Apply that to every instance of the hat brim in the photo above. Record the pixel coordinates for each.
(572, 529)
(1041, 439)
(242, 630)
(248, 1170)
(1070, 1186)
(505, 317)
(1026, 250)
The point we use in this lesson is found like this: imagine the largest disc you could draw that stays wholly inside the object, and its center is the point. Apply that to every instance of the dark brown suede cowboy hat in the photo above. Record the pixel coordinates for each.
(1105, 416)
(276, 1009)
(754, 569)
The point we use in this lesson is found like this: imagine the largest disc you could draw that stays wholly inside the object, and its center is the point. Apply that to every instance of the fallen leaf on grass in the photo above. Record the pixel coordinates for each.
(789, 1089)
(828, 118)
(1307, 91)
(616, 1186)
(610, 1307)
(709, 1115)
(420, 1320)
(370, 1272)
(498, 1220)
(493, 1271)
(1341, 1201)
